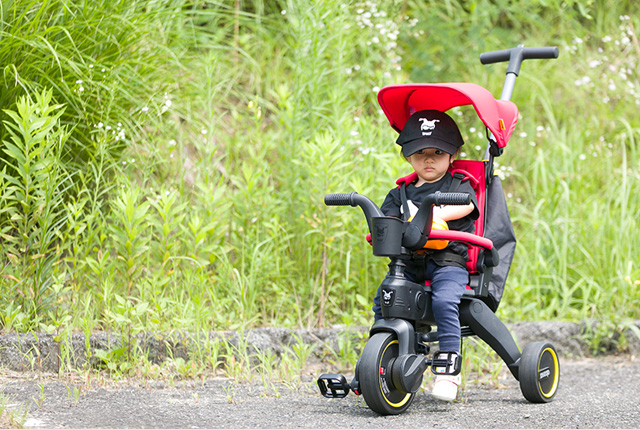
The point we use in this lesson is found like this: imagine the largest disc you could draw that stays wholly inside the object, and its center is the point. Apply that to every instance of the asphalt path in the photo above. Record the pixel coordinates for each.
(593, 393)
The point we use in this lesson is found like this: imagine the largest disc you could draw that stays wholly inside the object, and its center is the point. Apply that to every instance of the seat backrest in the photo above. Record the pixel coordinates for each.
(475, 172)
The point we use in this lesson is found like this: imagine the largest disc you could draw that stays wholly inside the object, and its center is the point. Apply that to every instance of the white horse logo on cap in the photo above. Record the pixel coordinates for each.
(427, 126)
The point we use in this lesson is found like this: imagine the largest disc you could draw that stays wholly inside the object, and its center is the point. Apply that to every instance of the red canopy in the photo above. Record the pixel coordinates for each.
(399, 101)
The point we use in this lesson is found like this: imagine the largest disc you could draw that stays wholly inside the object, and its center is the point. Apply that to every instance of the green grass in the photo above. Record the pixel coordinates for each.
(187, 165)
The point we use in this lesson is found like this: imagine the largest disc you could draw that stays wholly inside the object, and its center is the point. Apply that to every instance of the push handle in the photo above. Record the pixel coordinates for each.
(339, 199)
(516, 56)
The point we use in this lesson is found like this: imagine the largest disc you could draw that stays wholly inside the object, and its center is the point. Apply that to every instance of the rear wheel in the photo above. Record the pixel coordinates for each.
(374, 373)
(539, 372)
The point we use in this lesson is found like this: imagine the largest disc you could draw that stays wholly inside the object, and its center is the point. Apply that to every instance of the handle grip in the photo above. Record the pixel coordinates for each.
(515, 56)
(339, 199)
(452, 199)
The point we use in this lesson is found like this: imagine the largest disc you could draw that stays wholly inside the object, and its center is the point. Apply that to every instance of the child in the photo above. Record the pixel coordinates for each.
(430, 141)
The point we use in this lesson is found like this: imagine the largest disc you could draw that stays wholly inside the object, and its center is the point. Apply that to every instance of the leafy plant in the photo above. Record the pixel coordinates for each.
(36, 181)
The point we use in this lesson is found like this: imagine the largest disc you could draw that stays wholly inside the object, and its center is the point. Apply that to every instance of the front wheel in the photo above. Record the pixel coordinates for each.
(374, 373)
(539, 372)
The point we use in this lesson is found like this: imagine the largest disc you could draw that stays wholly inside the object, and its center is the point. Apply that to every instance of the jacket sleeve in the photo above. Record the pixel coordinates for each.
(465, 187)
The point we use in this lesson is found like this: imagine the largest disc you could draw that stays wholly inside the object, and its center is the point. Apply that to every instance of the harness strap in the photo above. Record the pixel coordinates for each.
(405, 203)
(457, 180)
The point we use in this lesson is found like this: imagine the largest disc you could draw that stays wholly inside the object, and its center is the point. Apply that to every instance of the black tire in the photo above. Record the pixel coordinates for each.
(539, 372)
(374, 373)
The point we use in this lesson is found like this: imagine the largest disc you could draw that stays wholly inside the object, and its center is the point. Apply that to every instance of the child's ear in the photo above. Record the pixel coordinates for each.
(452, 158)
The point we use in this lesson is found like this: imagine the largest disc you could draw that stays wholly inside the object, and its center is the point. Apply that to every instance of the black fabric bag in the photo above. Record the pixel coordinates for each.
(499, 229)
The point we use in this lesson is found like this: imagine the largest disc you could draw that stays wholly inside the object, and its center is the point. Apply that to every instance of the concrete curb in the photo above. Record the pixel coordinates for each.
(26, 352)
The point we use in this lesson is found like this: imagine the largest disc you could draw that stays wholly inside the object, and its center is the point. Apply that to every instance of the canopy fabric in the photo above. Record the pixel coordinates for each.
(398, 102)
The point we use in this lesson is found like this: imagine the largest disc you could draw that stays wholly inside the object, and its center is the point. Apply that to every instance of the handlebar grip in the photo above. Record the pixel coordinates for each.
(339, 199)
(452, 199)
(525, 53)
(541, 52)
(495, 56)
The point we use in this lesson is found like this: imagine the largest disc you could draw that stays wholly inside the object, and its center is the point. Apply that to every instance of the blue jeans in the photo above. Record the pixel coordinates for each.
(448, 284)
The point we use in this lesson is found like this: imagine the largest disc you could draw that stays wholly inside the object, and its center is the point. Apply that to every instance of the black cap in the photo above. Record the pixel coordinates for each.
(430, 129)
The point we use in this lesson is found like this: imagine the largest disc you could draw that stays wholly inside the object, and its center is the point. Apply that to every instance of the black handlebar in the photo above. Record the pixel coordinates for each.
(417, 231)
(354, 199)
(516, 56)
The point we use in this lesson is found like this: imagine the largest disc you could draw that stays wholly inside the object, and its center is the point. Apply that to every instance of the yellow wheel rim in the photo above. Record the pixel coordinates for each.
(406, 398)
(556, 373)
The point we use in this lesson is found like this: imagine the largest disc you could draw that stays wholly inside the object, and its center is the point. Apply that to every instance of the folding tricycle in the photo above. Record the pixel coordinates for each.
(390, 370)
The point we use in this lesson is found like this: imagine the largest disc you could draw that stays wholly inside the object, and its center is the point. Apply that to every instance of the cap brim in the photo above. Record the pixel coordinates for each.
(414, 146)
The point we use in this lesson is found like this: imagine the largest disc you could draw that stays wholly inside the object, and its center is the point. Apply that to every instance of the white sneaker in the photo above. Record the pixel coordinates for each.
(446, 387)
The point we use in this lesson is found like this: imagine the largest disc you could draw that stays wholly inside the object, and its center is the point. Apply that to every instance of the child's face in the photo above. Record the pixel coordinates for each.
(430, 164)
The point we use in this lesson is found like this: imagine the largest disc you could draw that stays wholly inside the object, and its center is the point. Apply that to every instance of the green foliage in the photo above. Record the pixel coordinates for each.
(35, 180)
(181, 185)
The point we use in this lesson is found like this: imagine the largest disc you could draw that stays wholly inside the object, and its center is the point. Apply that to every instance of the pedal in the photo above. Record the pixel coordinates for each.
(333, 386)
(446, 363)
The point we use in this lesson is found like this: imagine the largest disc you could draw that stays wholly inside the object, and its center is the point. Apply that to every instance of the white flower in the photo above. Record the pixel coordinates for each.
(172, 142)
(376, 89)
(582, 157)
(145, 109)
(284, 12)
(100, 125)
